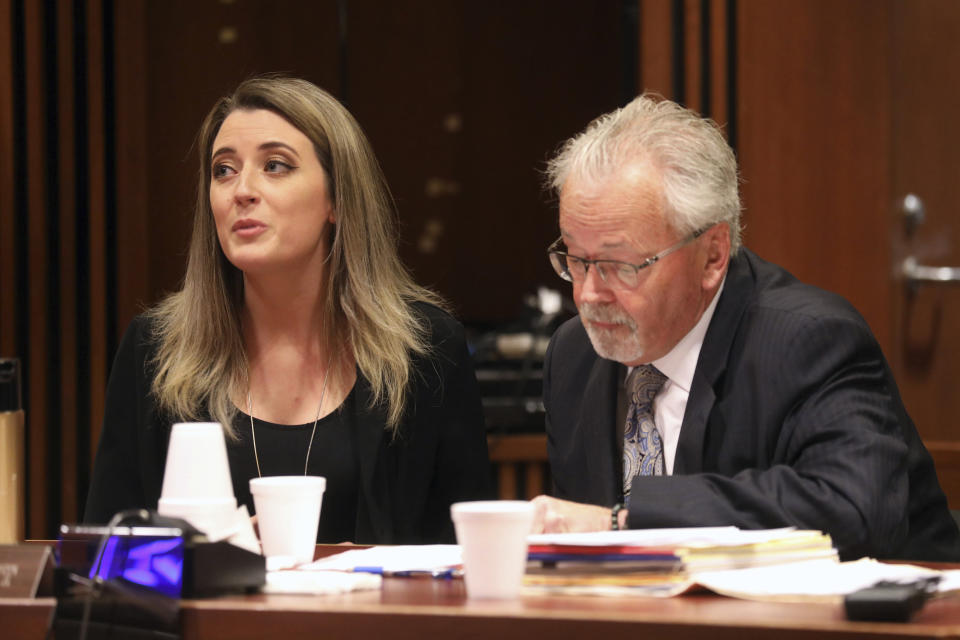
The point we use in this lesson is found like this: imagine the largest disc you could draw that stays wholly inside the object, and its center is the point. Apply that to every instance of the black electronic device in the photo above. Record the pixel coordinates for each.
(167, 556)
(127, 581)
(890, 601)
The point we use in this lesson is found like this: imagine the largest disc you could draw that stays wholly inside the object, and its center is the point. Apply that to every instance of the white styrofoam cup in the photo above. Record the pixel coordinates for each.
(196, 479)
(288, 514)
(197, 464)
(493, 541)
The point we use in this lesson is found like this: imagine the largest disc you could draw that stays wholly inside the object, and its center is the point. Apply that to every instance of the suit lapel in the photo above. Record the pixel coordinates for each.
(597, 424)
(737, 291)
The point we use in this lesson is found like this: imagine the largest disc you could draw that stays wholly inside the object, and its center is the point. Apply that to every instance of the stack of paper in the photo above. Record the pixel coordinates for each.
(662, 562)
(785, 565)
(758, 548)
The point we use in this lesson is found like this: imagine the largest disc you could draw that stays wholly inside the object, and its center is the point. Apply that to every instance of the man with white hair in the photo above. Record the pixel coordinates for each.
(701, 385)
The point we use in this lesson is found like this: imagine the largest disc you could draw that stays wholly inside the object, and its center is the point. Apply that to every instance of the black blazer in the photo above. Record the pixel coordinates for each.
(793, 418)
(407, 483)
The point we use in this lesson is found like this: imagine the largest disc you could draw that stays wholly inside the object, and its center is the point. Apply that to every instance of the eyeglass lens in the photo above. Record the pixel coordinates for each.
(612, 273)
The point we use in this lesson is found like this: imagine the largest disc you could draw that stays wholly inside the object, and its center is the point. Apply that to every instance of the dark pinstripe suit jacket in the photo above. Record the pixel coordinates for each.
(793, 419)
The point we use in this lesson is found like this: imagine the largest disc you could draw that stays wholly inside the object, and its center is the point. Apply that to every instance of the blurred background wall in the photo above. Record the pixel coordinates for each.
(838, 109)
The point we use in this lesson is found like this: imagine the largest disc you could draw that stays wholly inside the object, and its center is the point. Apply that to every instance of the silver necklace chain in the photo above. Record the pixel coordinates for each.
(253, 432)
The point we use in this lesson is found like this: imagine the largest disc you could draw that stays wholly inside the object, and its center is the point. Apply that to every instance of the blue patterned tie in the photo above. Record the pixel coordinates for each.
(642, 448)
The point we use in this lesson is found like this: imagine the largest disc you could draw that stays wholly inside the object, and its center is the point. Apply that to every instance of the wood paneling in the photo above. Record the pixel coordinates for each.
(490, 90)
(721, 54)
(55, 297)
(8, 239)
(191, 54)
(926, 100)
(101, 240)
(36, 367)
(946, 458)
(686, 51)
(520, 465)
(132, 156)
(694, 21)
(462, 103)
(656, 65)
(66, 403)
(814, 139)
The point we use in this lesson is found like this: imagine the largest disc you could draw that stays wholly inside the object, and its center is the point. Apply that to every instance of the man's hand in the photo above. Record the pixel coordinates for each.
(551, 515)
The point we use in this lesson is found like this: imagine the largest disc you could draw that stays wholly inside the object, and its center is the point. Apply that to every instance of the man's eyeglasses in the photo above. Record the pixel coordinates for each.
(614, 273)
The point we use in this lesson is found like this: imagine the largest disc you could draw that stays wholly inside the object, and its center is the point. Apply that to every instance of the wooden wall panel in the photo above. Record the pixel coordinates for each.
(721, 56)
(656, 63)
(54, 290)
(101, 269)
(686, 53)
(8, 240)
(926, 100)
(66, 229)
(491, 90)
(693, 22)
(498, 73)
(132, 156)
(814, 140)
(36, 366)
(193, 53)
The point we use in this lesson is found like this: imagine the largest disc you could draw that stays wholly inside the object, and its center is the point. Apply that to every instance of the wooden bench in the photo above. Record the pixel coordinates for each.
(520, 464)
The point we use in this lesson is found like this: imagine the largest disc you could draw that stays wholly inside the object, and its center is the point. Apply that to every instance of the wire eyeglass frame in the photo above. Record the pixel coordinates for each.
(616, 274)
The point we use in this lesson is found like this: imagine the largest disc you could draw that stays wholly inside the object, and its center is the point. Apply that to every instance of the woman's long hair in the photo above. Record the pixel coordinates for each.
(201, 361)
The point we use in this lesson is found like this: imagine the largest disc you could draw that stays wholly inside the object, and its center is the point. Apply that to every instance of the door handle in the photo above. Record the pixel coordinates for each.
(915, 274)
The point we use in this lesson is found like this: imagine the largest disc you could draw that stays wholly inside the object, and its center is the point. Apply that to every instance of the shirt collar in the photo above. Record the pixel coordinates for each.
(681, 361)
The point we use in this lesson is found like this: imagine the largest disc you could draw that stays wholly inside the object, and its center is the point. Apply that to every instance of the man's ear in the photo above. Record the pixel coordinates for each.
(717, 254)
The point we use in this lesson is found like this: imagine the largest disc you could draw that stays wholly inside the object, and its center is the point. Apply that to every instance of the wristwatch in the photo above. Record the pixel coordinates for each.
(615, 516)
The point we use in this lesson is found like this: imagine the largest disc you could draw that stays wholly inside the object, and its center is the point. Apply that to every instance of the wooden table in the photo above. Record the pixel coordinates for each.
(425, 608)
(417, 608)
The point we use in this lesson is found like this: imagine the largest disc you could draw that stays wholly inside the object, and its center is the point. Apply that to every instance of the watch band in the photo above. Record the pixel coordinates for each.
(615, 516)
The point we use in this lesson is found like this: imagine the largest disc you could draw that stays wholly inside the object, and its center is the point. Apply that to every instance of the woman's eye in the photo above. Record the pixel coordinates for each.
(221, 170)
(277, 166)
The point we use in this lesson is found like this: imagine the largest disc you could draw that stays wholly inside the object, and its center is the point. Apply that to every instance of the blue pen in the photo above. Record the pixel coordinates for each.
(448, 573)
(376, 570)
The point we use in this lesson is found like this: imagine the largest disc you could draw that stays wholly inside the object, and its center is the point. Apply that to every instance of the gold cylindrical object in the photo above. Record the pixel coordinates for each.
(12, 466)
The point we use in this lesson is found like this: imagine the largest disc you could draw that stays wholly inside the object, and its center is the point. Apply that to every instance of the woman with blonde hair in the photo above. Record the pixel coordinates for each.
(300, 331)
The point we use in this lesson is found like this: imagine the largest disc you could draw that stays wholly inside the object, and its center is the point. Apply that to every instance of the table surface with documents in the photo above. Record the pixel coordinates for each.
(416, 607)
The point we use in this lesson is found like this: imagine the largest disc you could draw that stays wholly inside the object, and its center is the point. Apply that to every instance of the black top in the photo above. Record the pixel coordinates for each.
(406, 481)
(282, 451)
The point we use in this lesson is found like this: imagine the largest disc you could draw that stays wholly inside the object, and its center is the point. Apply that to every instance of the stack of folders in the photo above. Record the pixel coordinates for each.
(661, 562)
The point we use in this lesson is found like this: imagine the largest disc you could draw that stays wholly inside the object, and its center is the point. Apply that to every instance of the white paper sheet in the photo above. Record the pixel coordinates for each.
(816, 580)
(393, 559)
(299, 581)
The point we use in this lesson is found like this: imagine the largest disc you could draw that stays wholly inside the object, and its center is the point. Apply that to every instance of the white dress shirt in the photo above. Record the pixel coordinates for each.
(678, 365)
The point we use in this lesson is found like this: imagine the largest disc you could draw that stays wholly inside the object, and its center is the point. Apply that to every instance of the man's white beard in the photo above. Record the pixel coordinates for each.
(621, 344)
